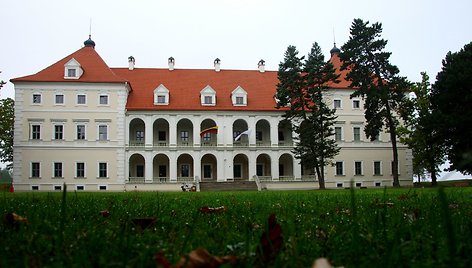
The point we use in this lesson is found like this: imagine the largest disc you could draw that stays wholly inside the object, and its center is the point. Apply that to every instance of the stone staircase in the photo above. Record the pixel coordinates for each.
(228, 186)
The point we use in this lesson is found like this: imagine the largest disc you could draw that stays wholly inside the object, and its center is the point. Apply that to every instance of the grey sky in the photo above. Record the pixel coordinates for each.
(36, 34)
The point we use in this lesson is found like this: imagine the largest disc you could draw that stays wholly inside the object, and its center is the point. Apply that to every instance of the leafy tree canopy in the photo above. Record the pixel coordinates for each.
(7, 120)
(451, 100)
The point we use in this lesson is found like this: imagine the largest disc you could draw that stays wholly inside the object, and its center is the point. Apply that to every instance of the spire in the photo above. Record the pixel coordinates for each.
(89, 42)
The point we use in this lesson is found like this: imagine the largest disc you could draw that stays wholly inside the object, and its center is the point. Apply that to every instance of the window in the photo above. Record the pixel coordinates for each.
(139, 135)
(161, 95)
(57, 170)
(339, 185)
(81, 132)
(36, 98)
(356, 104)
(35, 170)
(338, 131)
(258, 135)
(239, 96)
(358, 168)
(207, 136)
(102, 132)
(236, 134)
(35, 132)
(184, 170)
(339, 168)
(102, 170)
(378, 184)
(81, 99)
(102, 187)
(57, 187)
(34, 187)
(161, 99)
(58, 132)
(79, 187)
(240, 100)
(103, 99)
(337, 104)
(377, 168)
(208, 100)
(72, 69)
(80, 170)
(208, 96)
(71, 73)
(59, 99)
(358, 184)
(184, 135)
(357, 133)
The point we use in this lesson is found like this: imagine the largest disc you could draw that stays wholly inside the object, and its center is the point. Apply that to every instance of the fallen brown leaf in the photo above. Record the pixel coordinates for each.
(270, 242)
(202, 258)
(207, 210)
(104, 213)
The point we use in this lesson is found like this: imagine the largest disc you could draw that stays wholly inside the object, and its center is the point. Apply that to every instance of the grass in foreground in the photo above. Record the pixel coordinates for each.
(362, 228)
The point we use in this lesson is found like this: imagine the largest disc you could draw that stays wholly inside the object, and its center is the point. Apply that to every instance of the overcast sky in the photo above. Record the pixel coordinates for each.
(36, 34)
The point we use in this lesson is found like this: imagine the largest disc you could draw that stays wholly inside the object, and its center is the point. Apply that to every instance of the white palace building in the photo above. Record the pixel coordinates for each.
(97, 128)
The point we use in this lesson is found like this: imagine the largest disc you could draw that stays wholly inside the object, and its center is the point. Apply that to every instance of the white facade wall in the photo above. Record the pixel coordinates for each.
(162, 155)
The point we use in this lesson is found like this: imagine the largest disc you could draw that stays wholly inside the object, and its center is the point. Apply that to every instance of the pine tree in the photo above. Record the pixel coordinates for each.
(376, 80)
(302, 86)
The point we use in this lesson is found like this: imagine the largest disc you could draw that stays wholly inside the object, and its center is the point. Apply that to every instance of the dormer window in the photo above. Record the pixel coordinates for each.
(72, 70)
(161, 95)
(239, 97)
(208, 96)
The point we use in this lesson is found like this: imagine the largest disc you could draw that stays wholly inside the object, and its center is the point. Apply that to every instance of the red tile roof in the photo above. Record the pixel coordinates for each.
(95, 70)
(184, 85)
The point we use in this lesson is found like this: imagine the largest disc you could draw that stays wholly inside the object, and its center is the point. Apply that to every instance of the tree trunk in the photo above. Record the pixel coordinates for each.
(393, 139)
(321, 179)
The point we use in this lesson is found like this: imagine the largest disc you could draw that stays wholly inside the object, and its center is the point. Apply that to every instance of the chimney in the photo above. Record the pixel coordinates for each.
(261, 65)
(216, 63)
(131, 63)
(171, 62)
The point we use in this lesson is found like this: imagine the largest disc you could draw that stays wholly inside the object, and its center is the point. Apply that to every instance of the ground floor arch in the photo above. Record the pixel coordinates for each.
(241, 167)
(209, 170)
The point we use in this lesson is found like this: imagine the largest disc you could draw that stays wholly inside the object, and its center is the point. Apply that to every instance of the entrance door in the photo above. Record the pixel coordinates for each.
(162, 171)
(260, 170)
(139, 171)
(237, 171)
(207, 171)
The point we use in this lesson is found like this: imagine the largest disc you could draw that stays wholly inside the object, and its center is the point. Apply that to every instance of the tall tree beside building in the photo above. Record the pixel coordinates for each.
(377, 80)
(451, 99)
(301, 87)
(420, 132)
(7, 120)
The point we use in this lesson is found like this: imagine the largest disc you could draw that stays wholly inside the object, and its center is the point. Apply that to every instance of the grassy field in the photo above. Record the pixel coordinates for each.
(352, 228)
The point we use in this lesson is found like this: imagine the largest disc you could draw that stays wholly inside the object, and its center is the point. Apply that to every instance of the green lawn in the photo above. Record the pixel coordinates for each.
(352, 228)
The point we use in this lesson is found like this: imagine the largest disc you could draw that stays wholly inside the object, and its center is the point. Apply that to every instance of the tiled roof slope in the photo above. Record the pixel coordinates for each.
(95, 70)
(184, 85)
